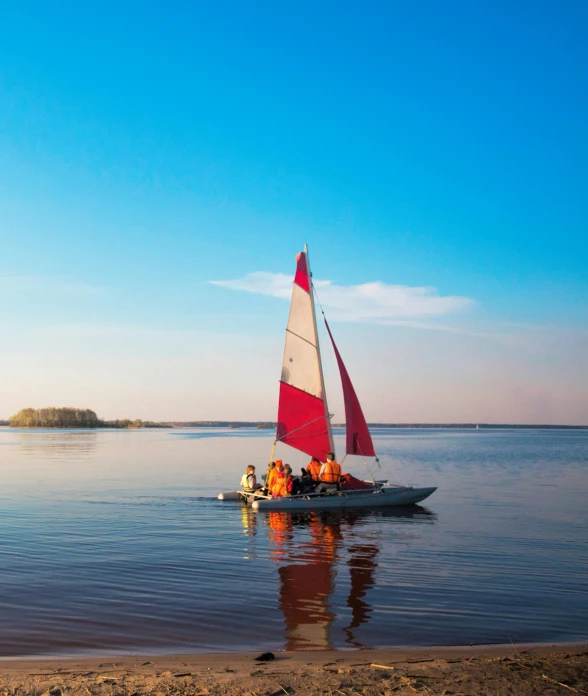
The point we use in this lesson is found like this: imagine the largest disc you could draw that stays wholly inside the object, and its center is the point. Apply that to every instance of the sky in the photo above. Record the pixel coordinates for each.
(161, 164)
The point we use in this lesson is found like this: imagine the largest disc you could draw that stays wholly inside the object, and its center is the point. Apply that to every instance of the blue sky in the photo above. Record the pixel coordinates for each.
(149, 148)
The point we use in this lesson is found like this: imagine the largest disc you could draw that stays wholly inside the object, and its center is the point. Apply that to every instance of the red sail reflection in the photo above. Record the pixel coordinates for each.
(318, 556)
(308, 572)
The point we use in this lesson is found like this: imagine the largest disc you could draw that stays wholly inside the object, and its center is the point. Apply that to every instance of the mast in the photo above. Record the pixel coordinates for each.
(320, 361)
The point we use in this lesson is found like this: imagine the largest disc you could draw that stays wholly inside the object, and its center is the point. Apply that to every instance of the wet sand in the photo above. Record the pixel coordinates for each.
(514, 670)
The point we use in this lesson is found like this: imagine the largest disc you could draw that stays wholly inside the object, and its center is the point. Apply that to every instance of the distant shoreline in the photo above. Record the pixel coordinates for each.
(471, 426)
(70, 417)
(271, 426)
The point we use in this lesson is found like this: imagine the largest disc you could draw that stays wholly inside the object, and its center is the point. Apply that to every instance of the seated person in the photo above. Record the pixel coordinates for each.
(301, 484)
(304, 483)
(283, 482)
(314, 469)
(330, 474)
(290, 480)
(249, 481)
(272, 472)
(266, 476)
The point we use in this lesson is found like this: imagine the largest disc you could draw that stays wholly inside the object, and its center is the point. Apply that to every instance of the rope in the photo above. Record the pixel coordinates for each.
(279, 439)
(319, 302)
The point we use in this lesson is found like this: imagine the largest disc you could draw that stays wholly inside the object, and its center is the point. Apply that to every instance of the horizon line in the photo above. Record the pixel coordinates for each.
(271, 424)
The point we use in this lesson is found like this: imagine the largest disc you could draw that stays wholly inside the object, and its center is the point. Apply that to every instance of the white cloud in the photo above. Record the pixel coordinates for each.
(375, 302)
(261, 283)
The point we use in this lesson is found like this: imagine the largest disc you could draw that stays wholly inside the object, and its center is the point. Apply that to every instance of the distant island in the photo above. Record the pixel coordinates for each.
(68, 417)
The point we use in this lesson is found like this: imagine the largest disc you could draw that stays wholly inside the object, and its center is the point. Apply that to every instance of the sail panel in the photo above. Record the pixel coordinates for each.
(302, 412)
(300, 365)
(302, 277)
(302, 422)
(359, 440)
(300, 320)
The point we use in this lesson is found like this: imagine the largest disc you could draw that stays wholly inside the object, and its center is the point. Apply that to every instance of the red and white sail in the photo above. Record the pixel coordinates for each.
(359, 440)
(303, 418)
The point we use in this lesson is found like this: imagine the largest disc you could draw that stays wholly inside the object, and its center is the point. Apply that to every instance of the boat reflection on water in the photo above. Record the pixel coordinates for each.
(318, 553)
(362, 564)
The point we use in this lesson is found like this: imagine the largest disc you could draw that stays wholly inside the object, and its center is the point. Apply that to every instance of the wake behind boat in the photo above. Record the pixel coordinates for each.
(304, 421)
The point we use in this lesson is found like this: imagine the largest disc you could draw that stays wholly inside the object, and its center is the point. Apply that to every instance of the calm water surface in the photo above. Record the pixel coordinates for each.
(113, 542)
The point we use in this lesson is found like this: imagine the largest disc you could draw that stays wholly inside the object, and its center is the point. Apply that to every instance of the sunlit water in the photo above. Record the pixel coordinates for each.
(114, 542)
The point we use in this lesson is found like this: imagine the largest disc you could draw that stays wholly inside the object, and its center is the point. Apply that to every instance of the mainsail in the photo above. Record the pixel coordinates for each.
(303, 416)
(359, 440)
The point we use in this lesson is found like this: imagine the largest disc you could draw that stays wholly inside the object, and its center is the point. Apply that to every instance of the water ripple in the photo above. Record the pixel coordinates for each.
(115, 542)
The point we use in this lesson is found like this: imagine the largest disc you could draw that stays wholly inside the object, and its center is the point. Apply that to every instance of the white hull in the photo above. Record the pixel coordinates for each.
(389, 496)
(231, 495)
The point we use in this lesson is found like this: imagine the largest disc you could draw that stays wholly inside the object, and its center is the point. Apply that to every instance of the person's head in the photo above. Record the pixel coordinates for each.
(288, 470)
(250, 469)
(330, 457)
(314, 460)
(278, 464)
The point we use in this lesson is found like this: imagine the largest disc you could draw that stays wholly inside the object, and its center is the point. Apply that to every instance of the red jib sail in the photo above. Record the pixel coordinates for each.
(359, 440)
(302, 413)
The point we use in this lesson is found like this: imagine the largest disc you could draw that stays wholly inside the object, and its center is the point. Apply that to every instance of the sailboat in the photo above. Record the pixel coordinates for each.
(304, 421)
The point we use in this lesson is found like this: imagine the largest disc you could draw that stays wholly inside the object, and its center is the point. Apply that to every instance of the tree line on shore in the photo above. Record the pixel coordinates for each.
(72, 418)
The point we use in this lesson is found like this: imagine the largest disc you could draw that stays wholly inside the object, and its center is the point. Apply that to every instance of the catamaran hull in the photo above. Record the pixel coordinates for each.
(382, 497)
(230, 495)
(387, 496)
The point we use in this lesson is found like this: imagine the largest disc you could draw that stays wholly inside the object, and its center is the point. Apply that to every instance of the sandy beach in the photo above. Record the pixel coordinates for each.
(484, 670)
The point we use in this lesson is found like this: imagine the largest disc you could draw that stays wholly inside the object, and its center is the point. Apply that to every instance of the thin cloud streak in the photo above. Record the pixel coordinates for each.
(373, 303)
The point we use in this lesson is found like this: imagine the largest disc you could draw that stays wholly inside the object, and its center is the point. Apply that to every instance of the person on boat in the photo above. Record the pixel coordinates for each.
(270, 467)
(249, 480)
(301, 484)
(304, 483)
(330, 474)
(283, 483)
(272, 474)
(290, 480)
(314, 469)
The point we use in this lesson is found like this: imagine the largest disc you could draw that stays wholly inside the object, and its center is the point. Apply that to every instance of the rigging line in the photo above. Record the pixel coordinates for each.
(302, 437)
(279, 439)
(370, 472)
(318, 300)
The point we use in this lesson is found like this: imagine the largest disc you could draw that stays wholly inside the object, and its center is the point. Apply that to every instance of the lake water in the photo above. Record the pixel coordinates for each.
(113, 542)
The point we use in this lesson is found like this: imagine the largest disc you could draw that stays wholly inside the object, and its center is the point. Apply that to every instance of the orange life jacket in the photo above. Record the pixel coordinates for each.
(314, 469)
(280, 486)
(271, 477)
(332, 473)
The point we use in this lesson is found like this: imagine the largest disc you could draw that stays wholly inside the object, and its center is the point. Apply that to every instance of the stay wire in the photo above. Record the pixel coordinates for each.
(370, 472)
